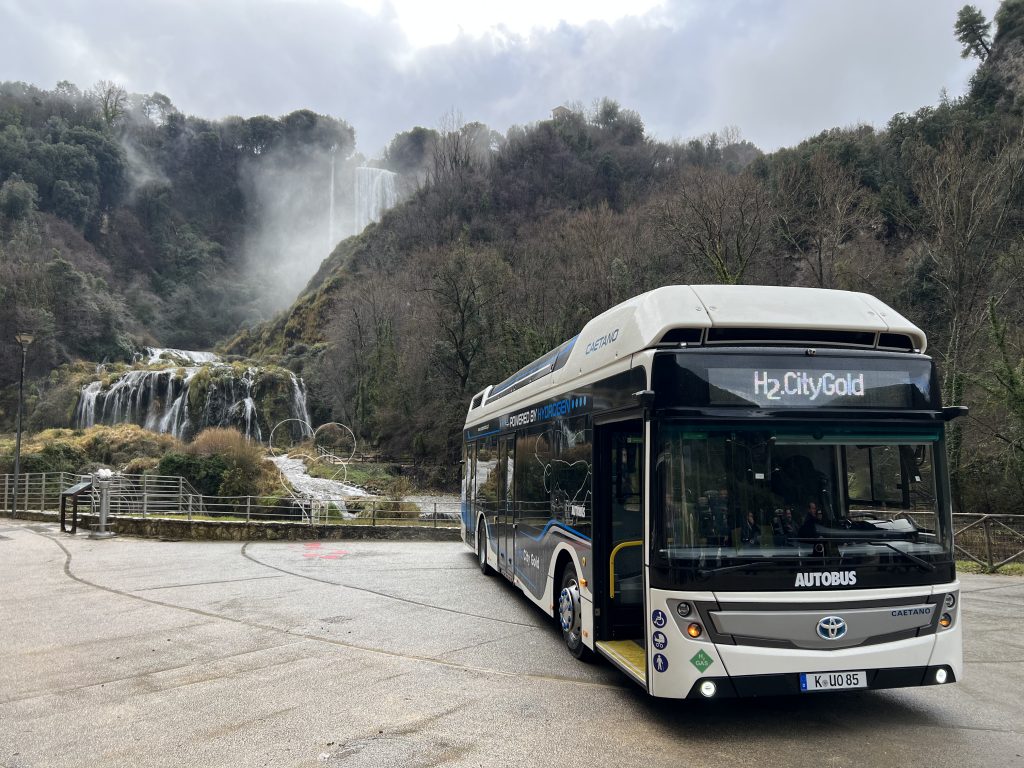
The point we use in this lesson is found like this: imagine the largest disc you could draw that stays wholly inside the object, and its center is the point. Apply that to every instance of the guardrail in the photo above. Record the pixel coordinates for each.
(991, 541)
(172, 497)
(129, 494)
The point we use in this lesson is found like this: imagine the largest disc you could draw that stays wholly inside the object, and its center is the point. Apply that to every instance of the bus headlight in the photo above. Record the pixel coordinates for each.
(940, 676)
(683, 609)
(709, 689)
(950, 600)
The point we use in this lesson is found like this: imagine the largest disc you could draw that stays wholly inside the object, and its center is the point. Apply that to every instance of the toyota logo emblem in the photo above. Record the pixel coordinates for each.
(831, 627)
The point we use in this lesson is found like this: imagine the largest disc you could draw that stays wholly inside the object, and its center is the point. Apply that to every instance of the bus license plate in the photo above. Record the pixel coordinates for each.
(832, 681)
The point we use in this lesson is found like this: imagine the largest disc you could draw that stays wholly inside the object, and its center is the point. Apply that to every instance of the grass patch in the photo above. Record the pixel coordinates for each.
(375, 478)
(1010, 569)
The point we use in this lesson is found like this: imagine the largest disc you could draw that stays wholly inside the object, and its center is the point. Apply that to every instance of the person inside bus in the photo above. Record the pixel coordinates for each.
(705, 520)
(809, 527)
(788, 526)
(778, 528)
(720, 513)
(750, 533)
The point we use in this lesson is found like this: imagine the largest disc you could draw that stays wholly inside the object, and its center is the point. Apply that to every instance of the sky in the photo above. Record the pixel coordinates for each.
(779, 70)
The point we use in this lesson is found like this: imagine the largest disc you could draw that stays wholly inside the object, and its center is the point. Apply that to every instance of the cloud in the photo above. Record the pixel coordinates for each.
(812, 66)
(780, 71)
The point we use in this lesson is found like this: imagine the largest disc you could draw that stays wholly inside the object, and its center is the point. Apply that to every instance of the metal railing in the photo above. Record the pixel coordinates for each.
(172, 497)
(991, 541)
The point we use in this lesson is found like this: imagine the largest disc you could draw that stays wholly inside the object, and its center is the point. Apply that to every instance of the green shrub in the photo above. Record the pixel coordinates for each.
(63, 457)
(204, 473)
(246, 473)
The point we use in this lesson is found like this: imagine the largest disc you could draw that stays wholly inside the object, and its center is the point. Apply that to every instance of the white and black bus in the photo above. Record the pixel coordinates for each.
(728, 491)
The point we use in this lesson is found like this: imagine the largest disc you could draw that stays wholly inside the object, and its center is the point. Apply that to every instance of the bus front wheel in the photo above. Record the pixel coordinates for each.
(570, 614)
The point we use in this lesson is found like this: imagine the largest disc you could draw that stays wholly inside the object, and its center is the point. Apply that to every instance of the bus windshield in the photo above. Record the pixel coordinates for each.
(730, 495)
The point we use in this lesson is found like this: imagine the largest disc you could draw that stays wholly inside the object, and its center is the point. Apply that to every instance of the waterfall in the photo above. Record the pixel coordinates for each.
(252, 426)
(331, 242)
(186, 356)
(299, 406)
(375, 193)
(85, 411)
(159, 400)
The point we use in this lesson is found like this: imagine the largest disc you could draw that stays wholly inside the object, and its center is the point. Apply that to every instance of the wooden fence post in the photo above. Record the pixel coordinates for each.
(988, 545)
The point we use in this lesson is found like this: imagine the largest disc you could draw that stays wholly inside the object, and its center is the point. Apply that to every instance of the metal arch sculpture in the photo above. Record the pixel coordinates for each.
(270, 440)
(339, 425)
(328, 457)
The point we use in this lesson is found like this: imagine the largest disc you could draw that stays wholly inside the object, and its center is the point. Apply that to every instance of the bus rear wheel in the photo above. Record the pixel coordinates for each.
(570, 614)
(481, 549)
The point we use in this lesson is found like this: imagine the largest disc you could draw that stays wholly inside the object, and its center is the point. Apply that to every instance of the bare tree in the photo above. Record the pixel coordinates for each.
(112, 100)
(966, 196)
(465, 287)
(452, 151)
(819, 209)
(716, 221)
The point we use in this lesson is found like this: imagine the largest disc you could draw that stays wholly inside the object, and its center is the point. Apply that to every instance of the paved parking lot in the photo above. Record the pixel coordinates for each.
(132, 652)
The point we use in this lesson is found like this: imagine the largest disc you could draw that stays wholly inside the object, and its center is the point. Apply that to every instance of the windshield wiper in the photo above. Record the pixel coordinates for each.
(703, 572)
(877, 542)
(913, 558)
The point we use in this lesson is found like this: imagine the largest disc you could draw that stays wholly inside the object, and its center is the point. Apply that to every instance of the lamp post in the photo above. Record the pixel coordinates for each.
(23, 339)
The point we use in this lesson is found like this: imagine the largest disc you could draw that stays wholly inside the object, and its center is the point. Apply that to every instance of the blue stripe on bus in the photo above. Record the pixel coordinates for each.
(483, 434)
(554, 523)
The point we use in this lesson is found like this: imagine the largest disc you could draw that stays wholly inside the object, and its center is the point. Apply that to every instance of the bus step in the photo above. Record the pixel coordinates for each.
(627, 655)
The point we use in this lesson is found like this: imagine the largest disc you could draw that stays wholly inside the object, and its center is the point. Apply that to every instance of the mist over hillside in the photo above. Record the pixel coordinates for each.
(122, 221)
(193, 227)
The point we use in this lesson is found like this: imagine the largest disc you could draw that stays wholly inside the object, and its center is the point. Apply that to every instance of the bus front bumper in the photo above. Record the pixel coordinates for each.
(789, 683)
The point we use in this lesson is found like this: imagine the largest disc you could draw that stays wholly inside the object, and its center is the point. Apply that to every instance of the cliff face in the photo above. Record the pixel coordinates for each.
(999, 80)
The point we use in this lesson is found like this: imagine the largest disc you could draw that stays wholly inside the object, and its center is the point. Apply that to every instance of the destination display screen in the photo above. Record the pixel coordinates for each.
(781, 381)
(810, 388)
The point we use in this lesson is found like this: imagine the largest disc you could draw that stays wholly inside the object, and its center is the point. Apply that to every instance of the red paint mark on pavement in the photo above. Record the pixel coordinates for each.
(316, 550)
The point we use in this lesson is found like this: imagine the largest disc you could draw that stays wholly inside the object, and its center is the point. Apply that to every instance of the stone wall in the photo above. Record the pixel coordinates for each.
(176, 529)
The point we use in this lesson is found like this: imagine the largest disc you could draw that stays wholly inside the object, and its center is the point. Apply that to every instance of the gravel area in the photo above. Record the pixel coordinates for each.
(448, 505)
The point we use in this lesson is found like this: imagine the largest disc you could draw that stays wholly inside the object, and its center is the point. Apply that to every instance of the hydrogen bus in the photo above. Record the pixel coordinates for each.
(728, 491)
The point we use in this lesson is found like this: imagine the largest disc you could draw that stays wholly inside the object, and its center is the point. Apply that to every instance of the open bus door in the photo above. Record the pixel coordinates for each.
(619, 525)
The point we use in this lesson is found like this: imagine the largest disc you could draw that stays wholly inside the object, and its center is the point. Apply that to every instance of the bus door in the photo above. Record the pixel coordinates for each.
(619, 517)
(506, 508)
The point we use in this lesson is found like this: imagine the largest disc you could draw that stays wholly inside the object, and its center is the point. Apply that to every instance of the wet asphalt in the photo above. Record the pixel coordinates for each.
(130, 652)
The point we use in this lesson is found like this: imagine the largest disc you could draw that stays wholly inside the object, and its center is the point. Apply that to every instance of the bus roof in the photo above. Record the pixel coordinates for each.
(715, 315)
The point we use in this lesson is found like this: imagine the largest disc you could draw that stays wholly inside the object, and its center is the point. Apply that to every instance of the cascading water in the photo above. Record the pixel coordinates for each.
(330, 207)
(376, 191)
(183, 401)
(155, 355)
(299, 405)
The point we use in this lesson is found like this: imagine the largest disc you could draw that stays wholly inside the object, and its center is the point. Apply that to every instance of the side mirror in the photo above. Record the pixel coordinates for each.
(645, 397)
(951, 412)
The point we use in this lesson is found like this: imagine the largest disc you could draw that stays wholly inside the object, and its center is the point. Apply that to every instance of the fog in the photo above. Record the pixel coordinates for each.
(290, 212)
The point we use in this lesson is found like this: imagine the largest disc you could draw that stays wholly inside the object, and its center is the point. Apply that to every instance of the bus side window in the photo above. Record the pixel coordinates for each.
(571, 478)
